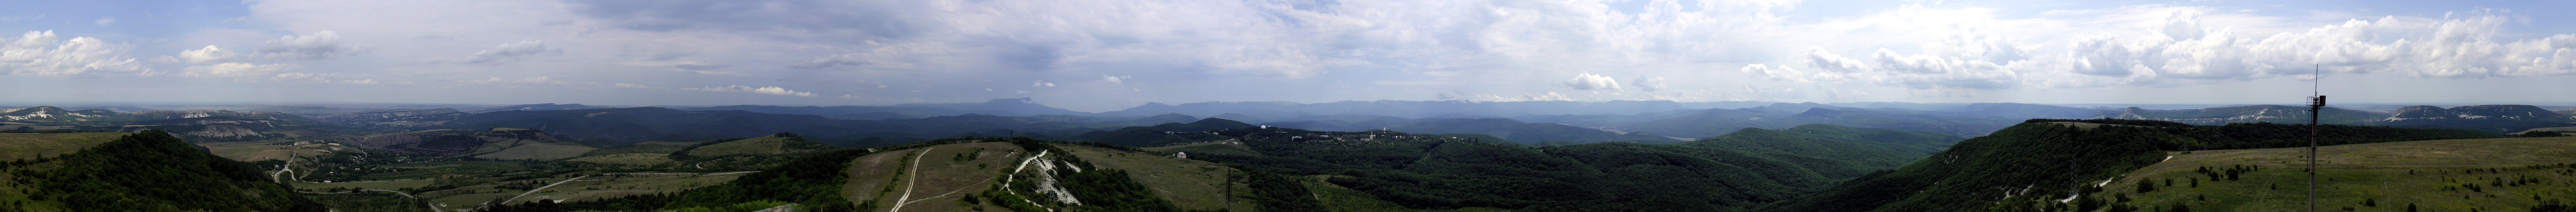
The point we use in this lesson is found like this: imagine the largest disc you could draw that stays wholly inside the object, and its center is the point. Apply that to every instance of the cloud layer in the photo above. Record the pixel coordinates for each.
(1109, 54)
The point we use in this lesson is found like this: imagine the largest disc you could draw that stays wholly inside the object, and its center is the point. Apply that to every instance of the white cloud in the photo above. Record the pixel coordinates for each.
(1589, 81)
(1115, 79)
(108, 21)
(1648, 83)
(237, 71)
(771, 90)
(1816, 56)
(510, 52)
(319, 45)
(1041, 83)
(210, 54)
(39, 54)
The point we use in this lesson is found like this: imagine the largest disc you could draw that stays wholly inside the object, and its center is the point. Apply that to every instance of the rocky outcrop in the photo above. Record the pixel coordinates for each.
(2418, 115)
(159, 115)
(2244, 114)
(382, 115)
(56, 114)
(225, 131)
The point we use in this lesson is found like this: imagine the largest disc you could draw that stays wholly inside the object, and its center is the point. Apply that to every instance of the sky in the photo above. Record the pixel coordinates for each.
(1104, 55)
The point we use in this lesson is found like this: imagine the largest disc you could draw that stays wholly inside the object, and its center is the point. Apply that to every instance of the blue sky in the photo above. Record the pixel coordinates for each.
(1107, 55)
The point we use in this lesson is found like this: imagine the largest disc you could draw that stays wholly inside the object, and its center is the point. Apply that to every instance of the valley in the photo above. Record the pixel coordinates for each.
(1775, 156)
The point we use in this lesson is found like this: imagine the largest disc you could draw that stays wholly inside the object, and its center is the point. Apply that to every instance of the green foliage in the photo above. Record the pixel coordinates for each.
(813, 181)
(2271, 135)
(153, 171)
(2051, 160)
(1870, 148)
(1111, 190)
(1440, 172)
(1279, 192)
(2042, 159)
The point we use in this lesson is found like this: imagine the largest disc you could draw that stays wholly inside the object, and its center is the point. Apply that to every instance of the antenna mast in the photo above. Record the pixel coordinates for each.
(2315, 103)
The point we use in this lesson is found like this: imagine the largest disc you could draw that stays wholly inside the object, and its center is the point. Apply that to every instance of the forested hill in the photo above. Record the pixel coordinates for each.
(2043, 159)
(1439, 172)
(144, 171)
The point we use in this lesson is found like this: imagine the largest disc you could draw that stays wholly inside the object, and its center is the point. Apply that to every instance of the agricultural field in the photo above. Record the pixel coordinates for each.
(539, 151)
(639, 159)
(2498, 174)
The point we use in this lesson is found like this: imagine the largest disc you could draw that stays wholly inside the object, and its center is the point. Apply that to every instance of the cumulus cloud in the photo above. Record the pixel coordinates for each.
(1783, 72)
(108, 21)
(509, 52)
(1818, 57)
(210, 54)
(41, 54)
(771, 90)
(1589, 81)
(1115, 79)
(2464, 47)
(237, 71)
(319, 45)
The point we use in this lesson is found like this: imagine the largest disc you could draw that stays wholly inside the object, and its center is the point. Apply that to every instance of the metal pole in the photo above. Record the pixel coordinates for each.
(2315, 104)
(2318, 104)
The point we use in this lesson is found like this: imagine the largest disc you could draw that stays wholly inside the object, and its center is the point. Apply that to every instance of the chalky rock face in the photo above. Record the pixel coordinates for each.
(55, 114)
(2418, 115)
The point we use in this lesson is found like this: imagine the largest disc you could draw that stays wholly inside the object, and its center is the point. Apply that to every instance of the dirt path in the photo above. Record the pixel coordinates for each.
(911, 176)
(532, 191)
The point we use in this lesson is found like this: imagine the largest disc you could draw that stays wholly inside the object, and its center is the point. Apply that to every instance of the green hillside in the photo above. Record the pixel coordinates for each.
(1871, 147)
(1418, 171)
(779, 144)
(2499, 174)
(144, 171)
(2019, 167)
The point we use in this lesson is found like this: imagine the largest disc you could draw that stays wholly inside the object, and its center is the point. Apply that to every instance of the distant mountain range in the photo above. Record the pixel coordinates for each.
(1527, 123)
(1421, 109)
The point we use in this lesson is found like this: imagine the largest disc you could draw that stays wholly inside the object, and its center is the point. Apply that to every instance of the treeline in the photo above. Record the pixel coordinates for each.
(154, 171)
(2271, 135)
(2029, 166)
(1440, 172)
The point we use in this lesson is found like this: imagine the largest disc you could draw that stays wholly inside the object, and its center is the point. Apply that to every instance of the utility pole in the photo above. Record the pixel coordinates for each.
(2316, 103)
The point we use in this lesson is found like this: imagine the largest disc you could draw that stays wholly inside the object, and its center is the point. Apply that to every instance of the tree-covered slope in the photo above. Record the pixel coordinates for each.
(1872, 147)
(1423, 171)
(145, 171)
(2049, 159)
(1528, 133)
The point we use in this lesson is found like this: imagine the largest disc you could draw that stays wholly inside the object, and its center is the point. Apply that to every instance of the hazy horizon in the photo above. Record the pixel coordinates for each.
(1111, 55)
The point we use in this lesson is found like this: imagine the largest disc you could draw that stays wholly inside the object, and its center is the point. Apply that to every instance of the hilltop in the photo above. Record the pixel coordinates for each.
(2029, 165)
(2497, 174)
(148, 170)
